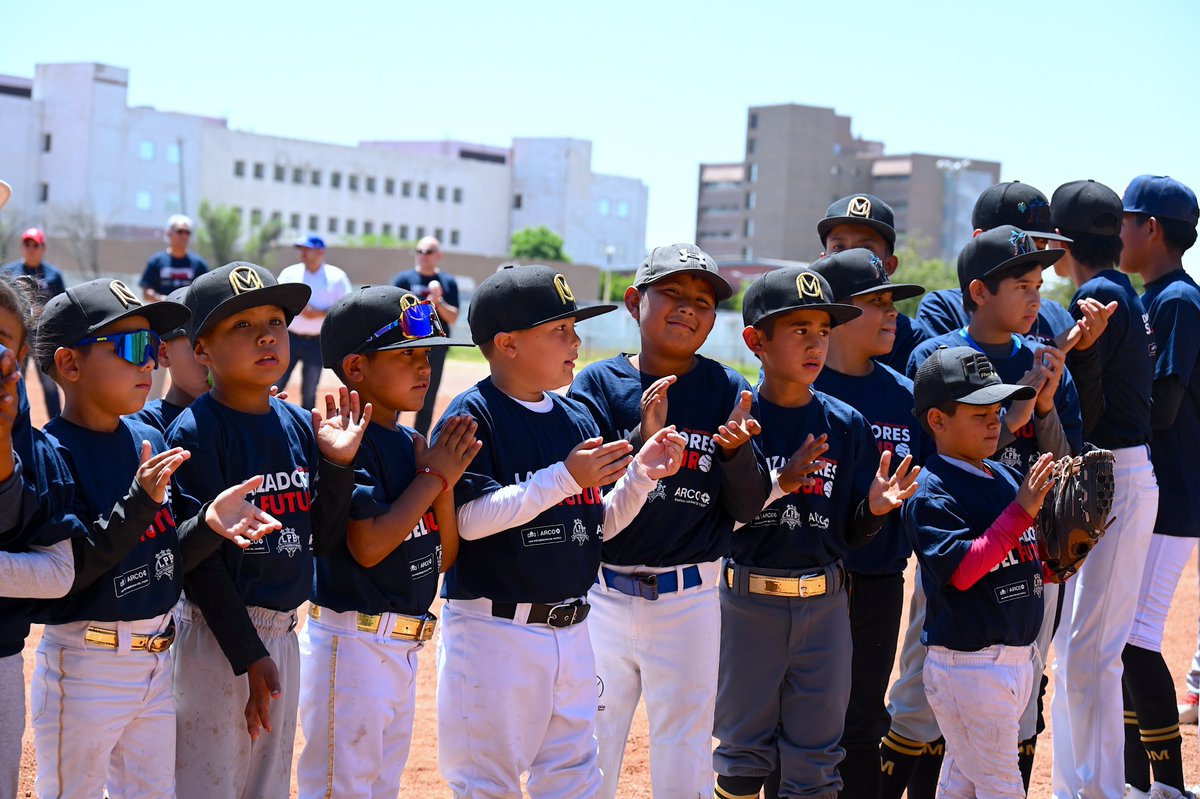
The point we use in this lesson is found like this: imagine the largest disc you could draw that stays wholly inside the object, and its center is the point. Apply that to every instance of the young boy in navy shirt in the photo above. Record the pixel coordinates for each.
(237, 645)
(658, 581)
(876, 570)
(785, 628)
(369, 616)
(516, 673)
(971, 524)
(188, 378)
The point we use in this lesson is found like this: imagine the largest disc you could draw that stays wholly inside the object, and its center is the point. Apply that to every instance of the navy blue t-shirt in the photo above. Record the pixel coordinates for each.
(683, 520)
(159, 414)
(885, 398)
(950, 510)
(941, 312)
(228, 447)
(406, 580)
(1173, 305)
(807, 528)
(418, 284)
(145, 583)
(49, 279)
(165, 273)
(1126, 353)
(554, 556)
(1011, 365)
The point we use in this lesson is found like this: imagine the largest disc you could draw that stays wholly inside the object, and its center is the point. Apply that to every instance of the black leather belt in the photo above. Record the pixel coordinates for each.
(564, 615)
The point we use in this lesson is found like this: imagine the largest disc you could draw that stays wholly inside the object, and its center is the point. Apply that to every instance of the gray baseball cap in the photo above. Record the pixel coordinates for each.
(666, 261)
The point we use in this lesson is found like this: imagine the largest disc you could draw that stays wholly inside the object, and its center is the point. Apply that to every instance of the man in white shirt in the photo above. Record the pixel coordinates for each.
(328, 283)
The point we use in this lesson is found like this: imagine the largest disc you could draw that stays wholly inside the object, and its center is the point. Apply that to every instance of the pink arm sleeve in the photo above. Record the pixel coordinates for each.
(991, 547)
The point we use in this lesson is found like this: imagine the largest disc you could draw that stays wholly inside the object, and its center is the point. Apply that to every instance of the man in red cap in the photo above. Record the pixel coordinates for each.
(50, 283)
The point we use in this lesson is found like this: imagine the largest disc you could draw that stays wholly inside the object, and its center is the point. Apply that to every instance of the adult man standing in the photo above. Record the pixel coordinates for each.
(328, 284)
(430, 283)
(170, 269)
(50, 283)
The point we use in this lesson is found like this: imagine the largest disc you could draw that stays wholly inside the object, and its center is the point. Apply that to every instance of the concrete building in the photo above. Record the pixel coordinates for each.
(799, 159)
(75, 152)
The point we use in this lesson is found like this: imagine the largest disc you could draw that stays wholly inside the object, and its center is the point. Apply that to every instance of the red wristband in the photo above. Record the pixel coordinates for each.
(438, 475)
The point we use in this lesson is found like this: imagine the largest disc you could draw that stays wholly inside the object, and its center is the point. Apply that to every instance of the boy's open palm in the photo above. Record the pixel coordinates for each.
(242, 522)
(1037, 485)
(154, 473)
(889, 492)
(804, 461)
(340, 431)
(740, 427)
(662, 455)
(654, 406)
(453, 451)
(594, 463)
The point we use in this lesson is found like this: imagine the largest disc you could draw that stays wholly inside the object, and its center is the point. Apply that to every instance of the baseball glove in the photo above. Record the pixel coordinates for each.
(1076, 512)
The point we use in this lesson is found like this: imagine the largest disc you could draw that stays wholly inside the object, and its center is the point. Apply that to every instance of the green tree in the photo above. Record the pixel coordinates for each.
(538, 244)
(617, 284)
(220, 229)
(932, 273)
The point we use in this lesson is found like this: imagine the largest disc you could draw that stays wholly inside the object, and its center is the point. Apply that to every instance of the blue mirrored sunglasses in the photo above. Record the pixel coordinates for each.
(136, 346)
(417, 320)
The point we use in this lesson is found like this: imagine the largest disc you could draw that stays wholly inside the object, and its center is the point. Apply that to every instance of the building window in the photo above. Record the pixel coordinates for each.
(350, 227)
(603, 208)
(438, 233)
(171, 202)
(371, 185)
(146, 150)
(623, 210)
(173, 153)
(294, 222)
(44, 193)
(45, 142)
(754, 173)
(748, 253)
(260, 169)
(387, 228)
(750, 144)
(297, 175)
(368, 228)
(239, 169)
(142, 200)
(835, 170)
(516, 202)
(255, 217)
(423, 191)
(749, 228)
(389, 186)
(280, 173)
(420, 231)
(277, 216)
(751, 199)
(335, 180)
(313, 223)
(457, 195)
(237, 211)
(314, 177)
(441, 194)
(406, 189)
(453, 238)
(753, 123)
(332, 224)
(352, 182)
(403, 234)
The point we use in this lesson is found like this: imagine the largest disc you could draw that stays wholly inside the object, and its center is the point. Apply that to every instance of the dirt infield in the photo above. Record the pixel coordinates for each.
(422, 779)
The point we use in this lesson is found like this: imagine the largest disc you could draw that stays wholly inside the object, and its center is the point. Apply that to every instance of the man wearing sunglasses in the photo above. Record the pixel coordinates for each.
(50, 283)
(170, 269)
(441, 289)
(328, 284)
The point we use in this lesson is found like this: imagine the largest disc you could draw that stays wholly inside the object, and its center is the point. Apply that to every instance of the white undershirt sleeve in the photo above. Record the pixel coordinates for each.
(622, 504)
(512, 505)
(777, 493)
(41, 573)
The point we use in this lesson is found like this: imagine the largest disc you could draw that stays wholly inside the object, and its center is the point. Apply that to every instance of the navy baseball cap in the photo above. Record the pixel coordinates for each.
(82, 310)
(859, 272)
(860, 209)
(235, 287)
(1163, 197)
(1085, 206)
(378, 318)
(1017, 204)
(311, 242)
(520, 297)
(961, 374)
(1001, 249)
(666, 261)
(793, 288)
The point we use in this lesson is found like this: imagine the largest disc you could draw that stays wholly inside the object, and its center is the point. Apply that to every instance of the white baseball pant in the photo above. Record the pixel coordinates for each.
(215, 756)
(103, 718)
(1165, 559)
(978, 698)
(514, 698)
(669, 649)
(357, 695)
(12, 722)
(1087, 712)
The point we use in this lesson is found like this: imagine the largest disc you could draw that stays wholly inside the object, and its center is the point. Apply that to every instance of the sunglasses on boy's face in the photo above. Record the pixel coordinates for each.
(137, 346)
(418, 320)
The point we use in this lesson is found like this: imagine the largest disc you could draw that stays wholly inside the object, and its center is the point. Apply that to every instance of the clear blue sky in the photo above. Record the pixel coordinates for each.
(1056, 91)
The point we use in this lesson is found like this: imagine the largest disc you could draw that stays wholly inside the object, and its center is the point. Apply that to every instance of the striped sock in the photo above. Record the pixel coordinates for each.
(898, 757)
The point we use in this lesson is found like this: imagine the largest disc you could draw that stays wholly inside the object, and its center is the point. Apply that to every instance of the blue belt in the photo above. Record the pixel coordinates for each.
(649, 586)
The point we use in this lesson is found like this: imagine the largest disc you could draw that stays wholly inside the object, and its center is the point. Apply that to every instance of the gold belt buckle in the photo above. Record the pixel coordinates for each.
(160, 643)
(367, 623)
(812, 586)
(422, 632)
(101, 637)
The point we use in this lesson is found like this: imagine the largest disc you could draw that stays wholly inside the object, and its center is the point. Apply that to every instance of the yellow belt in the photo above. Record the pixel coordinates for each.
(406, 628)
(99, 636)
(793, 587)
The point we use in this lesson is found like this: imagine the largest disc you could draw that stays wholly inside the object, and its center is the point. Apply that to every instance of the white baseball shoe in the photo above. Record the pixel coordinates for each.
(1189, 708)
(1160, 791)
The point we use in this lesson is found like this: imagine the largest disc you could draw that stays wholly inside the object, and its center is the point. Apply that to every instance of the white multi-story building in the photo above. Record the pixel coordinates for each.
(74, 150)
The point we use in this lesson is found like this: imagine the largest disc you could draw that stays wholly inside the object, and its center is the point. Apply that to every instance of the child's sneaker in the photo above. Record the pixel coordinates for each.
(1189, 708)
(1160, 791)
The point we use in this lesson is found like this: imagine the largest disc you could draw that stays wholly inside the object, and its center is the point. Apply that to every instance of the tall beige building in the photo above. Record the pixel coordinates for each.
(799, 159)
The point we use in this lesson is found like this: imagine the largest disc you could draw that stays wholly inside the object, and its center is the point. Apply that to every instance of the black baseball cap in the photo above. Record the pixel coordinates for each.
(1162, 197)
(372, 319)
(235, 287)
(666, 261)
(961, 374)
(1017, 204)
(858, 272)
(82, 310)
(177, 296)
(998, 250)
(793, 288)
(1085, 206)
(520, 297)
(860, 209)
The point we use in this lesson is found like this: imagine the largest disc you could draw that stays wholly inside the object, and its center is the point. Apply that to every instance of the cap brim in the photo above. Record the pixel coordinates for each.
(830, 222)
(163, 316)
(291, 297)
(839, 313)
(1044, 258)
(579, 314)
(998, 392)
(420, 343)
(720, 285)
(5, 193)
(1042, 234)
(900, 291)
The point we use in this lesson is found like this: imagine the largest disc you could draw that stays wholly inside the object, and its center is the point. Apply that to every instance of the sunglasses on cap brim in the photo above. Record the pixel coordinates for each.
(138, 347)
(417, 320)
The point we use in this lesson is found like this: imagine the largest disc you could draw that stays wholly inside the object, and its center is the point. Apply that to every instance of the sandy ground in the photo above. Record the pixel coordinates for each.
(421, 778)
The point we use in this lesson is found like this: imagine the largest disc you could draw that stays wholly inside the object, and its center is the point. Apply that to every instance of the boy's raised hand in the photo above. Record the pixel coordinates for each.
(239, 520)
(739, 428)
(662, 454)
(803, 462)
(10, 379)
(453, 451)
(594, 463)
(340, 431)
(154, 473)
(1052, 362)
(1083, 334)
(654, 406)
(1037, 485)
(888, 493)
